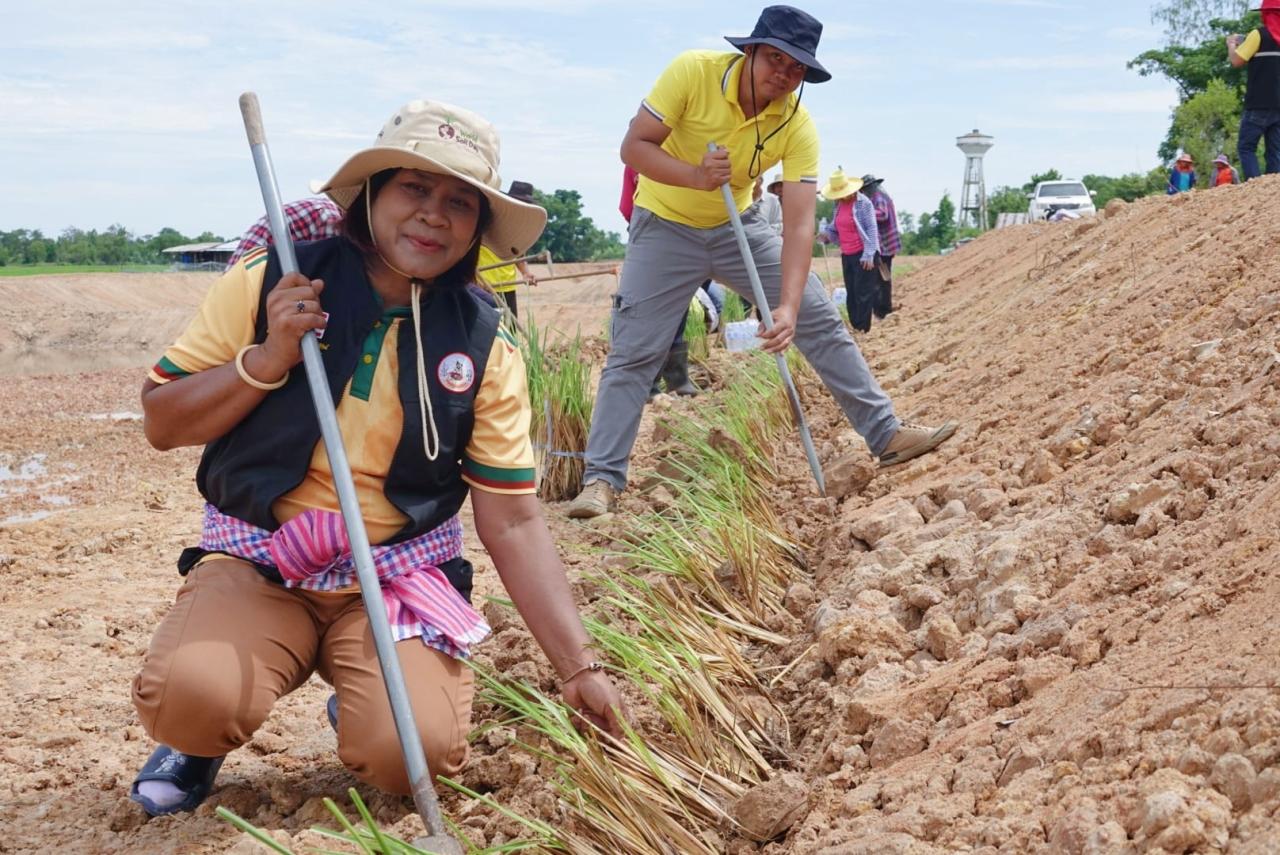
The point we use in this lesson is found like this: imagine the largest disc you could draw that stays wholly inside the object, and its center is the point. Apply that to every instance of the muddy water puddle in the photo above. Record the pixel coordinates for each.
(26, 481)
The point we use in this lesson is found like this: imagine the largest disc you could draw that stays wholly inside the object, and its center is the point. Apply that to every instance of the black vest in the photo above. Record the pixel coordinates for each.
(1263, 89)
(268, 453)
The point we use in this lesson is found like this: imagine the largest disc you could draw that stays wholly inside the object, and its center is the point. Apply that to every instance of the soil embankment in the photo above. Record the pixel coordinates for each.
(1055, 635)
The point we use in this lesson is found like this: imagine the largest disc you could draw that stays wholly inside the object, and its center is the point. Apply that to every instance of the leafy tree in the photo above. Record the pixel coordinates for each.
(1187, 21)
(1005, 200)
(1192, 65)
(933, 231)
(1051, 175)
(1207, 124)
(571, 236)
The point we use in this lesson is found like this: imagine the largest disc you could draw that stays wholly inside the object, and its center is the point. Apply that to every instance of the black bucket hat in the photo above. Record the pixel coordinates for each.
(523, 191)
(870, 182)
(792, 31)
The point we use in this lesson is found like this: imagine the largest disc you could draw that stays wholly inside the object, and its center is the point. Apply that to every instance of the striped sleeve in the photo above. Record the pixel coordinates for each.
(800, 157)
(223, 324)
(499, 457)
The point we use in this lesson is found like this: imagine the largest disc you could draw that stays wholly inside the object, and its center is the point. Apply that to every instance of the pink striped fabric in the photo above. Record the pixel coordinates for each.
(312, 552)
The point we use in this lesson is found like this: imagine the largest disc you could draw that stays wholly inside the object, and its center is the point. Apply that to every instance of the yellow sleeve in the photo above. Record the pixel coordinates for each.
(499, 457)
(800, 158)
(670, 94)
(497, 275)
(223, 325)
(1249, 46)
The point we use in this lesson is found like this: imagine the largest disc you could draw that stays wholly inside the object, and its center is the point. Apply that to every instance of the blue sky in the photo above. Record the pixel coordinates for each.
(126, 112)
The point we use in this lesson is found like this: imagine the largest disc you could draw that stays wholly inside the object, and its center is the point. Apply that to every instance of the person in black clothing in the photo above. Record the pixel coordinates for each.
(1260, 50)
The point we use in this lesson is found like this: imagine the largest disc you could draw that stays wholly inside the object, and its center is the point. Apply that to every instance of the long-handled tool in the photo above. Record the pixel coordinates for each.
(584, 275)
(415, 760)
(545, 255)
(826, 260)
(757, 290)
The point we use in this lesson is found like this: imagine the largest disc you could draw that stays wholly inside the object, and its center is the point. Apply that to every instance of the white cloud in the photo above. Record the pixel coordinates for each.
(1139, 101)
(1054, 62)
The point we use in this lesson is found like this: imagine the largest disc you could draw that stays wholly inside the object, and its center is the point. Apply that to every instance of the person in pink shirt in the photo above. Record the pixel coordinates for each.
(854, 229)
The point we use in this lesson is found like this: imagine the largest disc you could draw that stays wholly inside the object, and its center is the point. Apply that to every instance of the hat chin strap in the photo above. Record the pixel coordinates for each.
(430, 433)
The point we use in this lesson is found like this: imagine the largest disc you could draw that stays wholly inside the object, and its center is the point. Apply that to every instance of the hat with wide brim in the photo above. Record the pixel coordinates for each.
(445, 140)
(1222, 159)
(1185, 158)
(1268, 6)
(791, 31)
(870, 182)
(841, 186)
(774, 181)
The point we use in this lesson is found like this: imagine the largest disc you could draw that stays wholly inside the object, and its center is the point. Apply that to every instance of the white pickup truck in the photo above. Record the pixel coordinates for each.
(1050, 197)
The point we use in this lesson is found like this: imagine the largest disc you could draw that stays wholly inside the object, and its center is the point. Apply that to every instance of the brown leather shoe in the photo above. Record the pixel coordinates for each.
(911, 441)
(596, 499)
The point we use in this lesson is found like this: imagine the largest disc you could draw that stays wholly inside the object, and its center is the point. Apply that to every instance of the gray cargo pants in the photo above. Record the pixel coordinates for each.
(665, 263)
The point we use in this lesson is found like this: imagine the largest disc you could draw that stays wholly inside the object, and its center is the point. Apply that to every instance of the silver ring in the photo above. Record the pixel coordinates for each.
(302, 306)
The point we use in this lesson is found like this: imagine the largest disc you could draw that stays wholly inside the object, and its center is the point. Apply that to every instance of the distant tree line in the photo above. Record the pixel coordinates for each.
(570, 235)
(115, 245)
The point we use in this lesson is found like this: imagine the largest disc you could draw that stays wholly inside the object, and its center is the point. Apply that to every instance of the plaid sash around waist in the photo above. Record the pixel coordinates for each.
(312, 552)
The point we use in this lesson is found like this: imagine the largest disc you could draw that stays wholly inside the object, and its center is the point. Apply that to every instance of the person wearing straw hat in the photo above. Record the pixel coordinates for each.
(1260, 50)
(775, 185)
(432, 407)
(853, 228)
(770, 205)
(1182, 178)
(748, 102)
(502, 279)
(1223, 172)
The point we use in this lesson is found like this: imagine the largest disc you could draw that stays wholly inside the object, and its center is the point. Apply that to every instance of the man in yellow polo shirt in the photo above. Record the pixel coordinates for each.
(680, 235)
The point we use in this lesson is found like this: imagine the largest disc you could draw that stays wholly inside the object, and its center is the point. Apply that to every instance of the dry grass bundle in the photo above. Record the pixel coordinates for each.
(559, 381)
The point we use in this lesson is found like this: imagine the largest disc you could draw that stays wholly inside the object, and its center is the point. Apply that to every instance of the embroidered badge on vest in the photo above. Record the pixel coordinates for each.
(456, 372)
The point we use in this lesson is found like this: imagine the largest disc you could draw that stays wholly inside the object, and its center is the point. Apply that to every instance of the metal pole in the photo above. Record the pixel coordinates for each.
(415, 759)
(545, 255)
(826, 260)
(553, 278)
(757, 290)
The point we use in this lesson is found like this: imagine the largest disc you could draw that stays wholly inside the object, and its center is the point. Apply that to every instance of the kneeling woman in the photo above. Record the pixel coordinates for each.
(431, 403)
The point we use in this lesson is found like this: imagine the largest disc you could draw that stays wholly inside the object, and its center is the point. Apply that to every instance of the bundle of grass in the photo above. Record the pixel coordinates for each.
(568, 410)
(734, 310)
(559, 381)
(695, 333)
(624, 796)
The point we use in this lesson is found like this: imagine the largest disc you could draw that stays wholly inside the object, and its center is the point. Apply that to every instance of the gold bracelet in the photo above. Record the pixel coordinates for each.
(248, 378)
(593, 665)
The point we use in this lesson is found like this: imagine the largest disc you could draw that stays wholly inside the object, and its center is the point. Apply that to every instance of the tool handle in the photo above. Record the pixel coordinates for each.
(766, 315)
(370, 586)
(252, 118)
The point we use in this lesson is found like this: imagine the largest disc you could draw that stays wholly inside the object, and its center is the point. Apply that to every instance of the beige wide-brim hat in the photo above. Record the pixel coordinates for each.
(446, 140)
(841, 186)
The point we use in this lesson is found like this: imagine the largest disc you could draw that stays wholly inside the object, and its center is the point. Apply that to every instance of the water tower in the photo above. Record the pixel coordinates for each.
(973, 198)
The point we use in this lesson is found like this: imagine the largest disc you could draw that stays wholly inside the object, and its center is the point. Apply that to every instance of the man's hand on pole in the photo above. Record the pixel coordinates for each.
(783, 333)
(713, 171)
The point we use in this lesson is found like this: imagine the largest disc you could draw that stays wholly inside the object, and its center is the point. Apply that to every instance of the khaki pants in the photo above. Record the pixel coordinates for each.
(665, 264)
(234, 643)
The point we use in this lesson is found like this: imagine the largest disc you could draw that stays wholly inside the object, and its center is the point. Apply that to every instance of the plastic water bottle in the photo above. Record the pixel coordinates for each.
(839, 296)
(741, 335)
